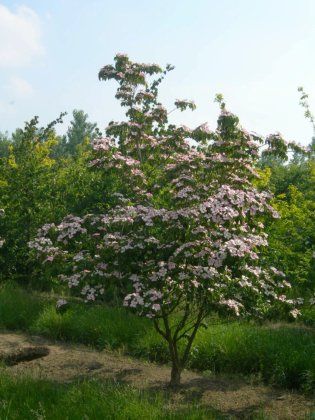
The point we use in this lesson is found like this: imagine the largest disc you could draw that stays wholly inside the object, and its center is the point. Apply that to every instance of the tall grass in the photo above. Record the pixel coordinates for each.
(282, 355)
(99, 326)
(18, 309)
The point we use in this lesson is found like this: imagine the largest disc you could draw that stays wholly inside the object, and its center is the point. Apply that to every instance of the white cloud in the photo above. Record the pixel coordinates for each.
(19, 87)
(20, 37)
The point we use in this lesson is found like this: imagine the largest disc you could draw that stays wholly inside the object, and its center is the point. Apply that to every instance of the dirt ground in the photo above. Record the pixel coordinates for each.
(232, 396)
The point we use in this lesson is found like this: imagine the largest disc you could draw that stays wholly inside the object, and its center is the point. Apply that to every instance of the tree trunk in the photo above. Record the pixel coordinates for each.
(175, 376)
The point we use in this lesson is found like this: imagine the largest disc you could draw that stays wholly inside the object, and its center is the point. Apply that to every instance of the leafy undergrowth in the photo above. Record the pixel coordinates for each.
(280, 355)
(18, 309)
(308, 316)
(27, 398)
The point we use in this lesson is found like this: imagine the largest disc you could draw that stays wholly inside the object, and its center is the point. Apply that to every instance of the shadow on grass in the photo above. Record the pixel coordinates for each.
(234, 398)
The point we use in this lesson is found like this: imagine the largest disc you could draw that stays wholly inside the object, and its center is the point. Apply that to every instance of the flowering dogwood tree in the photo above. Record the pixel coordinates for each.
(182, 238)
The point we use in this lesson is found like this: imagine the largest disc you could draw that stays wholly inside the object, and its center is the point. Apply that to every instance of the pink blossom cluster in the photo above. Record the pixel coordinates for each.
(61, 303)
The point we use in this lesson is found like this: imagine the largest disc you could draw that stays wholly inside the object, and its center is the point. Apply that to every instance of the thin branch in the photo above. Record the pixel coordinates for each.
(158, 329)
(191, 338)
(182, 322)
(190, 328)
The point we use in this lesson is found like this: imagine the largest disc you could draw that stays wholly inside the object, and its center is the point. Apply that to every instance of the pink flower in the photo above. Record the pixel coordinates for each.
(295, 313)
(61, 303)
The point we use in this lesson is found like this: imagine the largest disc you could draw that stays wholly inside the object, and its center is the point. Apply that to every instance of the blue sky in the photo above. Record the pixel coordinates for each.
(255, 52)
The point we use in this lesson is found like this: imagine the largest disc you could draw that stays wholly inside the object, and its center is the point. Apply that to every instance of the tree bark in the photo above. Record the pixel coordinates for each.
(175, 376)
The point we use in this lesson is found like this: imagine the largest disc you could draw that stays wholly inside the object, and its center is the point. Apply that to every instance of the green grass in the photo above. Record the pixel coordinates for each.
(99, 326)
(282, 355)
(26, 398)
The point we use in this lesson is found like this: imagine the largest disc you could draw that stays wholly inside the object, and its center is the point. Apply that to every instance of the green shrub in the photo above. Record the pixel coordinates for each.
(18, 309)
(308, 316)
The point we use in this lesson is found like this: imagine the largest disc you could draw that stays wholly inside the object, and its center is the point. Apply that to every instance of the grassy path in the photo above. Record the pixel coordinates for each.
(228, 396)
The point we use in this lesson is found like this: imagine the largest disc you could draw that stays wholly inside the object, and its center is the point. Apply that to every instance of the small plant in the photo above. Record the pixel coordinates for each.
(61, 305)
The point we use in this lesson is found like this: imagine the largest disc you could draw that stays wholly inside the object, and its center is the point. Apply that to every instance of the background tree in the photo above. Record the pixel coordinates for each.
(26, 183)
(292, 237)
(307, 113)
(5, 142)
(79, 131)
(38, 185)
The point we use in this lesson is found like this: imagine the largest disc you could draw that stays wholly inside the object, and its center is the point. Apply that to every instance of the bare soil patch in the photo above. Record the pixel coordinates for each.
(232, 396)
(23, 354)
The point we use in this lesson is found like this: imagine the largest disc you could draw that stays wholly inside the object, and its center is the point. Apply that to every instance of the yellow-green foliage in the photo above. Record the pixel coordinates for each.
(291, 237)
